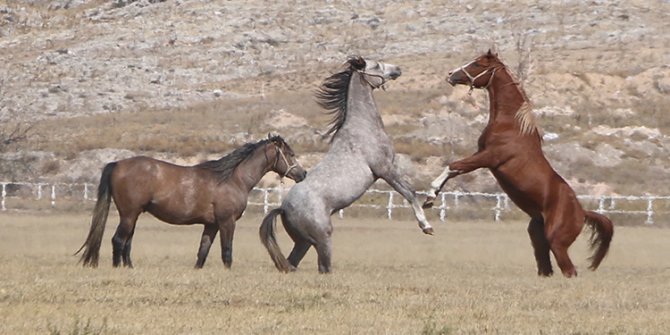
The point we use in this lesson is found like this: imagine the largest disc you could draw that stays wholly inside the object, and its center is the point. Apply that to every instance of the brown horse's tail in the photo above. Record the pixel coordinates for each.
(92, 245)
(601, 236)
(267, 233)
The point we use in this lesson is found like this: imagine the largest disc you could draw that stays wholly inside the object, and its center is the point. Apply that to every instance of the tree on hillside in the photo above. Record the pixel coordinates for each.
(12, 134)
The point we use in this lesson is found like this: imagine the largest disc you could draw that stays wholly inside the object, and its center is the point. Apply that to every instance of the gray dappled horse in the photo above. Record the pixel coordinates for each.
(360, 153)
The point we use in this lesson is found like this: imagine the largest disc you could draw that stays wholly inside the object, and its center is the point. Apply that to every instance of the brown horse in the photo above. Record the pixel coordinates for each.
(212, 193)
(511, 148)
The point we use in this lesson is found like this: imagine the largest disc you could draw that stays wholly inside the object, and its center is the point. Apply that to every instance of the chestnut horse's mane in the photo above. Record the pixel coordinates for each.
(524, 116)
(526, 119)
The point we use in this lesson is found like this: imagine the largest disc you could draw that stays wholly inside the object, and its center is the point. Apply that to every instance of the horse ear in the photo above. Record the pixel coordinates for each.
(358, 63)
(492, 53)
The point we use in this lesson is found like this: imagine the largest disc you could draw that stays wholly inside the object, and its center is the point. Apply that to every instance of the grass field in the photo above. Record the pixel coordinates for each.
(388, 278)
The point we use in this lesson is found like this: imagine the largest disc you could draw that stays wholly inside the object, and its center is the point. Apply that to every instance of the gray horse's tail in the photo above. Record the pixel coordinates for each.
(601, 236)
(267, 233)
(92, 245)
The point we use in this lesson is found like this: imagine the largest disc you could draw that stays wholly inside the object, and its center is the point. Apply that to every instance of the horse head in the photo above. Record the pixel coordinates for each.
(373, 72)
(286, 165)
(477, 73)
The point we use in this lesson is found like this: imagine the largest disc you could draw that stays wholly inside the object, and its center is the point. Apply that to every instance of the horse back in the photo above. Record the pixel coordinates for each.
(173, 193)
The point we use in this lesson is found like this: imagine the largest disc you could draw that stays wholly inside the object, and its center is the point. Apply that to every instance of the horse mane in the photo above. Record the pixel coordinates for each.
(524, 116)
(224, 166)
(333, 93)
(526, 119)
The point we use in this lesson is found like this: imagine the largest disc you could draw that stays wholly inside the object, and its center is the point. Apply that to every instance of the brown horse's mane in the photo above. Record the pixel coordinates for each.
(524, 115)
(224, 166)
(333, 93)
(526, 119)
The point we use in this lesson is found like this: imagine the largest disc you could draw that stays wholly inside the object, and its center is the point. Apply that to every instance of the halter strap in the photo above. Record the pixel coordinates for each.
(281, 154)
(472, 79)
(373, 75)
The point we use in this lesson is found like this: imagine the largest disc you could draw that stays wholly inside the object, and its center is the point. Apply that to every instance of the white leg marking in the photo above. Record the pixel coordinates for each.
(435, 185)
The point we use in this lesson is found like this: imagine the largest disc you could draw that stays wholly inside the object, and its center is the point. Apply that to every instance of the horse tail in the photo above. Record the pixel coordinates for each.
(92, 245)
(602, 230)
(267, 233)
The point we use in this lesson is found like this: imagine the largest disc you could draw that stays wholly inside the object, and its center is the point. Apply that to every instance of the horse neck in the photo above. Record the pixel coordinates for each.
(505, 97)
(250, 171)
(361, 106)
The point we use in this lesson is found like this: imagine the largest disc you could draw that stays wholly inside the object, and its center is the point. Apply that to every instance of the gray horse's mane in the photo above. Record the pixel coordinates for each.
(224, 166)
(333, 93)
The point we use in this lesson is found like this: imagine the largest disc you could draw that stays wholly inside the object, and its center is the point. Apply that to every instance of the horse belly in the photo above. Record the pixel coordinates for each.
(182, 206)
(526, 194)
(331, 192)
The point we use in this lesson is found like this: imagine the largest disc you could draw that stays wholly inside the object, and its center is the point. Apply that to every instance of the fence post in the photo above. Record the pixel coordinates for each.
(601, 205)
(265, 200)
(4, 194)
(39, 191)
(650, 211)
(85, 191)
(443, 206)
(389, 207)
(498, 208)
(53, 195)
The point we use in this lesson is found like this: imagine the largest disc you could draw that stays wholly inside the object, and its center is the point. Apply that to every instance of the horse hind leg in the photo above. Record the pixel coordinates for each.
(559, 241)
(122, 240)
(127, 262)
(300, 248)
(324, 252)
(540, 246)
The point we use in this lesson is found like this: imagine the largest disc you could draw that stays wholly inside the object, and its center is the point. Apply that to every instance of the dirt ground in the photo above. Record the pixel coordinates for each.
(388, 278)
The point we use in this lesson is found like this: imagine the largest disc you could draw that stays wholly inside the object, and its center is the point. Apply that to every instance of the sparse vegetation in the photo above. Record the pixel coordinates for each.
(79, 328)
(473, 277)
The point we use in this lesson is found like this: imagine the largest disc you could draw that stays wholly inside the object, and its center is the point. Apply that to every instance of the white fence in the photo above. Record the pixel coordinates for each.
(392, 202)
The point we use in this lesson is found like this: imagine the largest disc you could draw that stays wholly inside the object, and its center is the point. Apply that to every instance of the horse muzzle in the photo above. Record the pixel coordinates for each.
(298, 175)
(455, 79)
(395, 74)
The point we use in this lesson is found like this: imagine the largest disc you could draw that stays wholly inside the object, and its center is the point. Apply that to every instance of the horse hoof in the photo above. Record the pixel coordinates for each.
(427, 204)
(428, 231)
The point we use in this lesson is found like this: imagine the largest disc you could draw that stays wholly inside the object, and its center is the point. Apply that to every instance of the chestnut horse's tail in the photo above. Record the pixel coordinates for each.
(92, 245)
(601, 236)
(267, 233)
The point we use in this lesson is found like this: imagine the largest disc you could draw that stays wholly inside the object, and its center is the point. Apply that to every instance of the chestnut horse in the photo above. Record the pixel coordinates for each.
(511, 148)
(212, 193)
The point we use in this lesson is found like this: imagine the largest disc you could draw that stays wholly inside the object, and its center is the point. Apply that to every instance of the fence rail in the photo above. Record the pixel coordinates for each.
(390, 201)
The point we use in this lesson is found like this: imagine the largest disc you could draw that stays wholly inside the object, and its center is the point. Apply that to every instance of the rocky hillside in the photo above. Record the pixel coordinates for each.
(598, 74)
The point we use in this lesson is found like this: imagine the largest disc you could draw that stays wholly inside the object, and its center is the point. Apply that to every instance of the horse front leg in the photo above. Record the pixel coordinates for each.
(208, 236)
(407, 191)
(479, 160)
(227, 229)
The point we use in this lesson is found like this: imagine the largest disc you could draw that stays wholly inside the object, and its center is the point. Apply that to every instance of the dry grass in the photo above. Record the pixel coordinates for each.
(470, 278)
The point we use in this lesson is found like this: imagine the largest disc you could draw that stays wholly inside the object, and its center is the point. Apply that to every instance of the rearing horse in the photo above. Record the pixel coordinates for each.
(511, 148)
(213, 193)
(360, 153)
